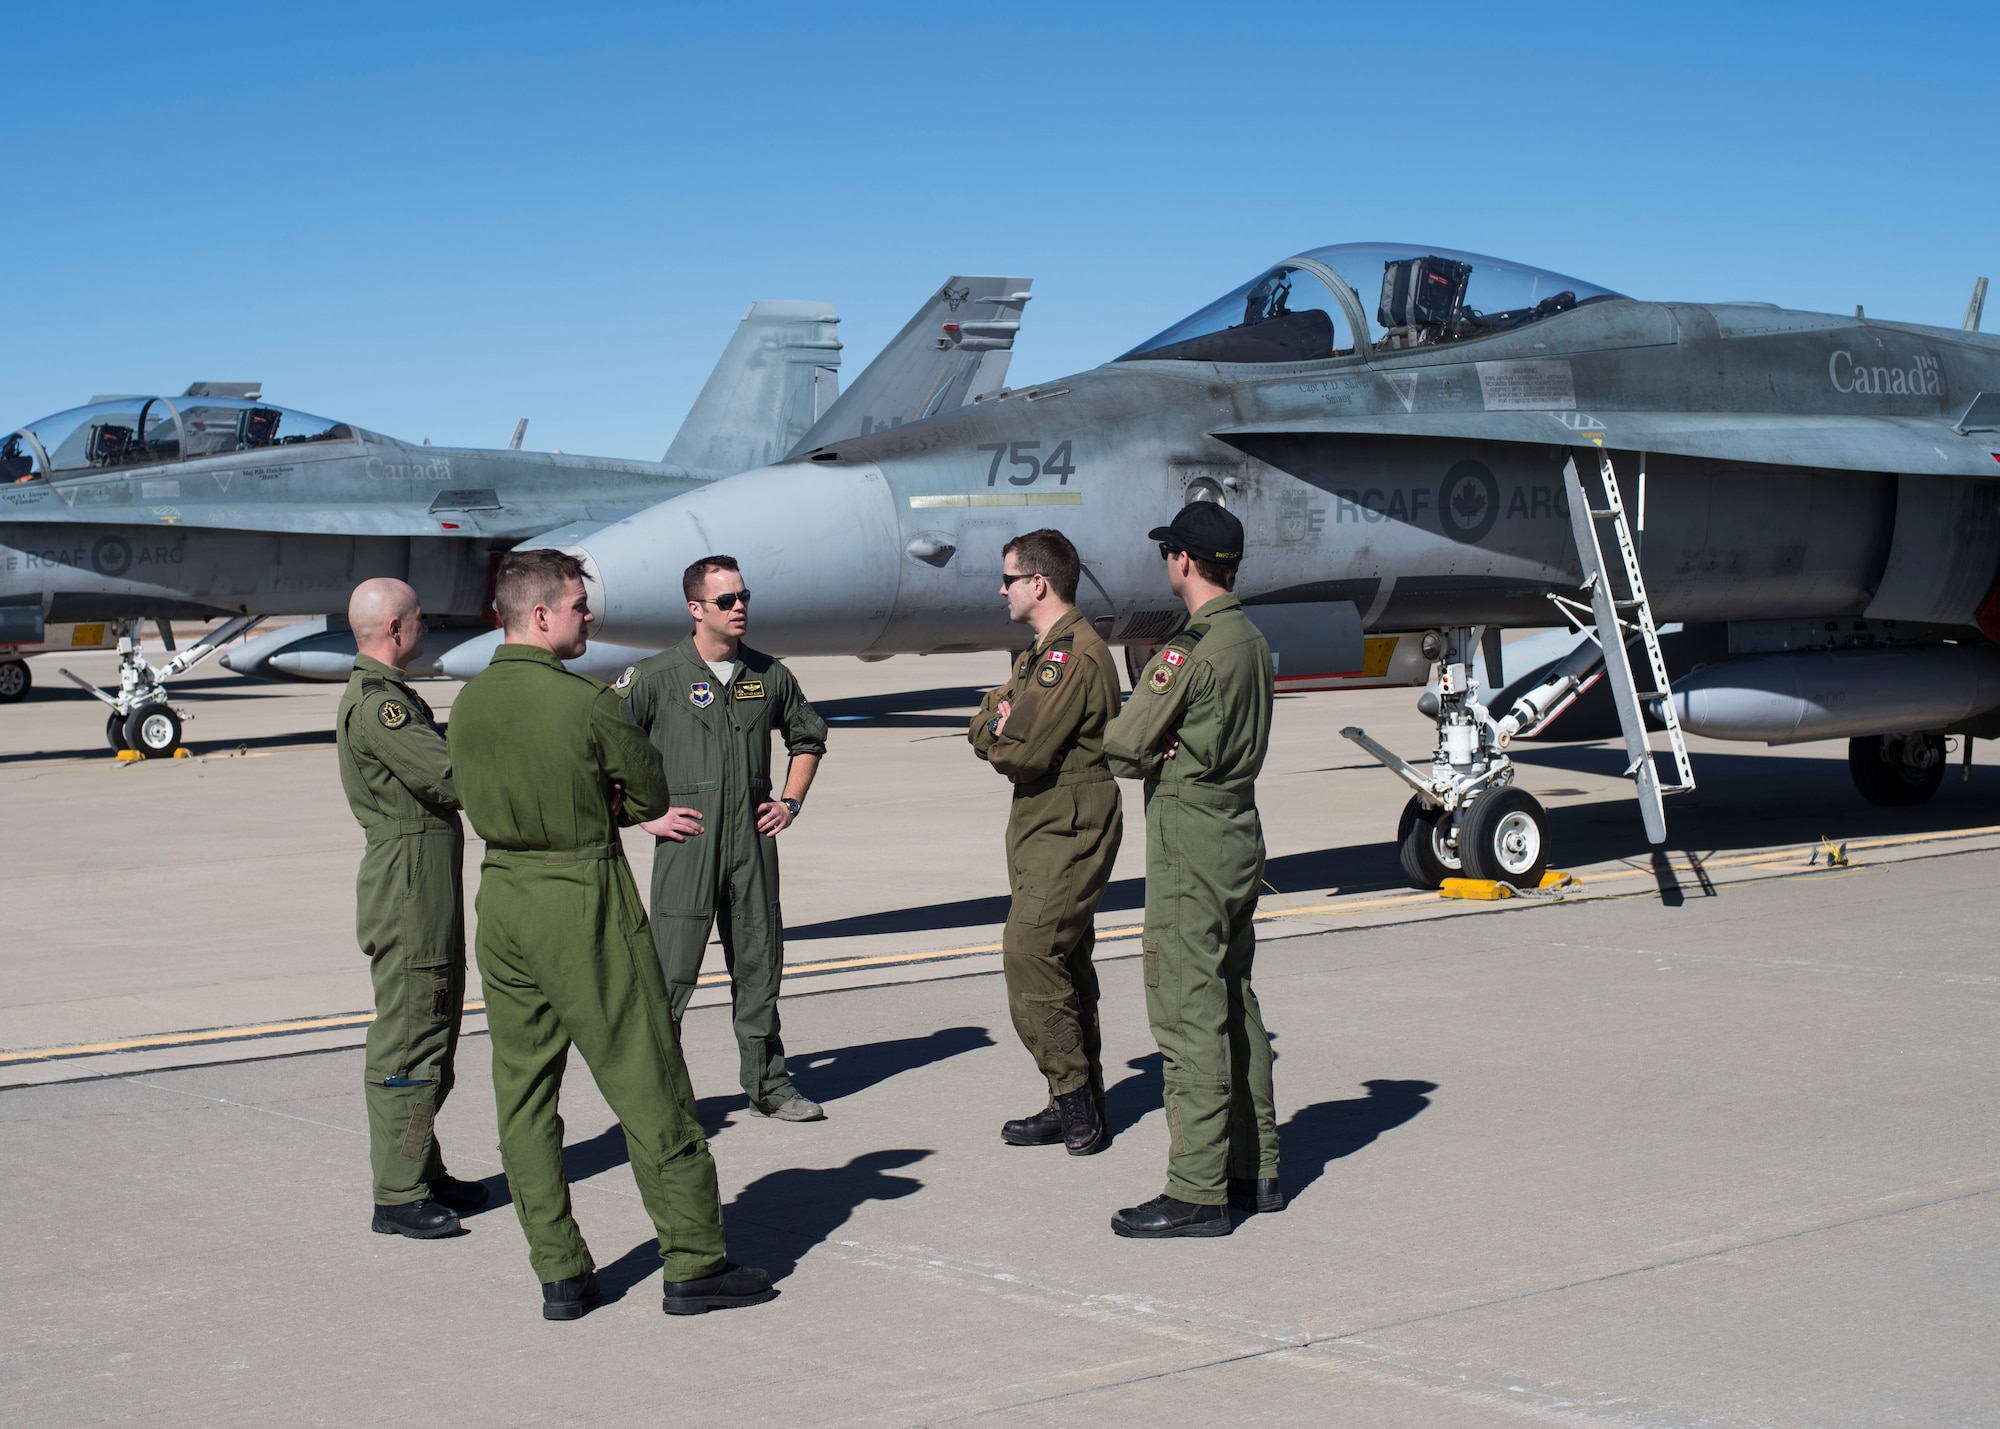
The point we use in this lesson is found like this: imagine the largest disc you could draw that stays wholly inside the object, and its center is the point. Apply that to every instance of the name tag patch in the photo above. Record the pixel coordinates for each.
(748, 689)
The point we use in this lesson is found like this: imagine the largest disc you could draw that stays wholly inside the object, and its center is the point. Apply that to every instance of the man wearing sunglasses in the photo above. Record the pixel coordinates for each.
(1044, 730)
(710, 706)
(1196, 730)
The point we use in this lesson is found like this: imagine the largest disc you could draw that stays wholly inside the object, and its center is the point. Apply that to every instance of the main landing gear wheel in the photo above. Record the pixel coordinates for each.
(1896, 769)
(153, 730)
(1423, 843)
(15, 681)
(1504, 836)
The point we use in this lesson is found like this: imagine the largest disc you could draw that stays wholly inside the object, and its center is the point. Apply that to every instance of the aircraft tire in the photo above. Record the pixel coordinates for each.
(153, 730)
(114, 731)
(1886, 776)
(1422, 846)
(1504, 837)
(16, 679)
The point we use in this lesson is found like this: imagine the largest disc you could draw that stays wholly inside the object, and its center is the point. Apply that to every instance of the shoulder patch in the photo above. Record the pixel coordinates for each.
(394, 714)
(624, 681)
(1162, 678)
(1053, 665)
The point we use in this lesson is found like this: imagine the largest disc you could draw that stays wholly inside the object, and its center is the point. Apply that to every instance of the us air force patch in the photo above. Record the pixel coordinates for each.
(1162, 678)
(394, 714)
(624, 681)
(701, 694)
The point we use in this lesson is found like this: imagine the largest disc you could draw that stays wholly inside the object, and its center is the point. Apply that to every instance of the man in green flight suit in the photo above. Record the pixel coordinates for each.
(548, 767)
(1196, 730)
(409, 912)
(710, 705)
(1044, 730)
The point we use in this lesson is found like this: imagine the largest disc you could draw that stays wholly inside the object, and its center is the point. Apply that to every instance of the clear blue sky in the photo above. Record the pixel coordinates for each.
(432, 219)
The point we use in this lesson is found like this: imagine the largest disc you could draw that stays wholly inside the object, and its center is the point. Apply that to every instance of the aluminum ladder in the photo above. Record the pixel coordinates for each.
(1613, 614)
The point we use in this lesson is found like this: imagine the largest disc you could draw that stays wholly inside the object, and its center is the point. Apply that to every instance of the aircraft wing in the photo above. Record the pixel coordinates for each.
(956, 348)
(1831, 442)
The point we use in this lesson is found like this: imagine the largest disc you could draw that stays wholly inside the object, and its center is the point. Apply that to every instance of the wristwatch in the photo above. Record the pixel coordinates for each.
(792, 804)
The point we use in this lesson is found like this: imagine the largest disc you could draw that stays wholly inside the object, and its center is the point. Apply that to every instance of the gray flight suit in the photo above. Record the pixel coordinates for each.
(715, 744)
(409, 915)
(1210, 690)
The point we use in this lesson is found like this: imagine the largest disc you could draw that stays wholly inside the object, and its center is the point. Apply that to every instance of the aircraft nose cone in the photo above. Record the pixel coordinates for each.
(817, 543)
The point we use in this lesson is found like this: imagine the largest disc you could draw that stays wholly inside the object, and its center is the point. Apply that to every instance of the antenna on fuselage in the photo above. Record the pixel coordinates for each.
(1977, 306)
(520, 431)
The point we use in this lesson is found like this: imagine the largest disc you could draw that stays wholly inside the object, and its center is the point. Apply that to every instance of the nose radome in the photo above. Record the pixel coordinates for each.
(817, 544)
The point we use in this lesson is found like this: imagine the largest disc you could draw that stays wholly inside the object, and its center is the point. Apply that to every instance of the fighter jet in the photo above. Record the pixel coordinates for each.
(1480, 445)
(219, 504)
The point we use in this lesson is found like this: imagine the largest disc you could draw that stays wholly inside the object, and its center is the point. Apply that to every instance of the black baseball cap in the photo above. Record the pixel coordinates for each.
(1205, 531)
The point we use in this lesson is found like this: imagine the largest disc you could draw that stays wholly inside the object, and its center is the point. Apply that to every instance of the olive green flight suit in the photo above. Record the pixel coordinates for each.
(715, 744)
(564, 955)
(1210, 690)
(409, 915)
(1063, 832)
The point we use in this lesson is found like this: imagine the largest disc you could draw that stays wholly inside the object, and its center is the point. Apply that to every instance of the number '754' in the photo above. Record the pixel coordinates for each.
(1019, 455)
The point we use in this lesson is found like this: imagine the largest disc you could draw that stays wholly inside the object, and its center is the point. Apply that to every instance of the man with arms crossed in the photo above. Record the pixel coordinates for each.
(1044, 730)
(548, 767)
(409, 912)
(1196, 730)
(710, 705)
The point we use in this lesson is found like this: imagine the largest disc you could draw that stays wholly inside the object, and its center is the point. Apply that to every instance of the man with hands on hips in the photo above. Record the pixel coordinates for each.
(710, 706)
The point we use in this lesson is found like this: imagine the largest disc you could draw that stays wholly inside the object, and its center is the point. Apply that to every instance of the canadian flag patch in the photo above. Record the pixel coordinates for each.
(1056, 657)
(1172, 657)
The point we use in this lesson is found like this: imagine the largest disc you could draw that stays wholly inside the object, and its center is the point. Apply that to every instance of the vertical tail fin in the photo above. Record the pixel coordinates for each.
(772, 383)
(956, 348)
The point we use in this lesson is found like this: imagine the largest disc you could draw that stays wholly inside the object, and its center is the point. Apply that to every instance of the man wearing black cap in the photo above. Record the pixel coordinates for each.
(1196, 730)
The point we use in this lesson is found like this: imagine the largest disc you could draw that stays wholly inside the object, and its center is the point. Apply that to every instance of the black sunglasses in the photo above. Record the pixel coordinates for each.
(1007, 581)
(727, 600)
(1168, 550)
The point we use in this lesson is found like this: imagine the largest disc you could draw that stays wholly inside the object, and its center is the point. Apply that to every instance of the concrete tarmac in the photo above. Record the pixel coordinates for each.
(1712, 1141)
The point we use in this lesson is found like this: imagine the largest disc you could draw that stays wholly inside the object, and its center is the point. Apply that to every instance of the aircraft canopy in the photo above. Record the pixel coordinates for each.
(117, 432)
(1400, 294)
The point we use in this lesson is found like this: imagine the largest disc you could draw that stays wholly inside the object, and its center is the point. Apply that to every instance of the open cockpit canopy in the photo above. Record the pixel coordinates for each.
(114, 432)
(1310, 307)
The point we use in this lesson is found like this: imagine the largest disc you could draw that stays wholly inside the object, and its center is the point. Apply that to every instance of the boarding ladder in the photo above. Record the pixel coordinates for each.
(1590, 511)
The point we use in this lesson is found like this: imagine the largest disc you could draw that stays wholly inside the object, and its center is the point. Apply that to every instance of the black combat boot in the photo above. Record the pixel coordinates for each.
(568, 1299)
(1044, 1128)
(419, 1220)
(1163, 1216)
(464, 1197)
(1082, 1122)
(729, 1288)
(1263, 1193)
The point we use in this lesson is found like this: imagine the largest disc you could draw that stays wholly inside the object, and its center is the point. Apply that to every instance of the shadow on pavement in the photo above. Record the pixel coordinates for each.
(1127, 1100)
(905, 710)
(1359, 868)
(842, 1071)
(785, 1214)
(1316, 1136)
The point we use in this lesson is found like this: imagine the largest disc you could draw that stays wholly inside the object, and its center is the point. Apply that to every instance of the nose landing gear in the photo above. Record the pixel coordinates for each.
(1467, 819)
(140, 718)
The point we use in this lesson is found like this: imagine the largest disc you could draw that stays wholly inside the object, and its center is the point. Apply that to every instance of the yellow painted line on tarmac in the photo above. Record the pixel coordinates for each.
(1787, 857)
